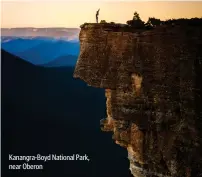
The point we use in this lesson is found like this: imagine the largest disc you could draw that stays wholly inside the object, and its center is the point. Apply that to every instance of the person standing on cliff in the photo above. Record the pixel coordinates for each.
(97, 14)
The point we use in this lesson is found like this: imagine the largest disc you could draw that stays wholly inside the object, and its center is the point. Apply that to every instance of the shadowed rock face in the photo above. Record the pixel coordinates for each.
(153, 90)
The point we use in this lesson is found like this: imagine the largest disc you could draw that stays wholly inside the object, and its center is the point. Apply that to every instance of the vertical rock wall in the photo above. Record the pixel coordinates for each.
(153, 92)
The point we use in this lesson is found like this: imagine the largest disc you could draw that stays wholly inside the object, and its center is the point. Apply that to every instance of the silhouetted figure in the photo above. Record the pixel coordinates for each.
(97, 14)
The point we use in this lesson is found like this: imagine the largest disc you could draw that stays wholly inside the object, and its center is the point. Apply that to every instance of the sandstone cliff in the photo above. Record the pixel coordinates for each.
(153, 89)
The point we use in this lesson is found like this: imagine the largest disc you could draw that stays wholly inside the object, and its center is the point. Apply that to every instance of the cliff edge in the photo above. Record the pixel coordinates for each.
(153, 88)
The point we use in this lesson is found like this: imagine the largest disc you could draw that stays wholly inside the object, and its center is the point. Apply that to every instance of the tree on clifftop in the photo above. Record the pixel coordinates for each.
(136, 21)
(136, 16)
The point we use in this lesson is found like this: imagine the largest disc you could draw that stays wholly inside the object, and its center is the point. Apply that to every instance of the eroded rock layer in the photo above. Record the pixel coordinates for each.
(153, 90)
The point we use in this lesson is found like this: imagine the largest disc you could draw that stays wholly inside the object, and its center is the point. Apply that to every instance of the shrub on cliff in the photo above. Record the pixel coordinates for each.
(154, 21)
(136, 21)
(184, 21)
(103, 21)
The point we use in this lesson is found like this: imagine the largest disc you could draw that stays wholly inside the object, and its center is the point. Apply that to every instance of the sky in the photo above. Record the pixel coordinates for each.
(35, 13)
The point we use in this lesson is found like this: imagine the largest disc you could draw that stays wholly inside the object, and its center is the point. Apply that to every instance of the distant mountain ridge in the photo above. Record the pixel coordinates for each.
(68, 33)
(62, 61)
(5, 39)
(16, 44)
(48, 51)
(41, 50)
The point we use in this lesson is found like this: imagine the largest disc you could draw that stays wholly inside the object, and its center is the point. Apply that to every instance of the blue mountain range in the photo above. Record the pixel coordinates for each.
(45, 51)
(69, 60)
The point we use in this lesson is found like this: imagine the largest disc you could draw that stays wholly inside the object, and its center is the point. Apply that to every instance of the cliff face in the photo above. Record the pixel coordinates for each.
(153, 90)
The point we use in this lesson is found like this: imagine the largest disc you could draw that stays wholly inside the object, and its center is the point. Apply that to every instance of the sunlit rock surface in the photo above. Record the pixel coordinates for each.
(153, 93)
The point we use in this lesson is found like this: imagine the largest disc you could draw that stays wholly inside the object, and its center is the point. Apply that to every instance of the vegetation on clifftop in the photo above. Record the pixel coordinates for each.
(136, 21)
(103, 21)
(152, 22)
